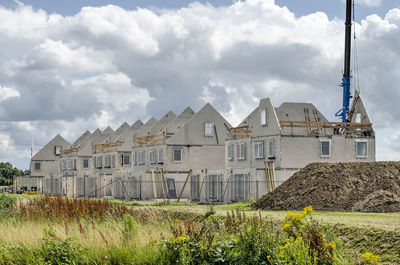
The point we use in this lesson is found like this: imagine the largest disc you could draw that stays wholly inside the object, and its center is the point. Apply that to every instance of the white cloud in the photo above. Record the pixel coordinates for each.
(7, 92)
(106, 65)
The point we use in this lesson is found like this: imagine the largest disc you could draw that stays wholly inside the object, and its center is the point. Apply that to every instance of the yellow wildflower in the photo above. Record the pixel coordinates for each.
(370, 258)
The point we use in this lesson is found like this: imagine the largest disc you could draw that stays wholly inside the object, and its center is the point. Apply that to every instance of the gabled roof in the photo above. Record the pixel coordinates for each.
(121, 129)
(128, 134)
(180, 120)
(108, 130)
(157, 127)
(96, 139)
(357, 106)
(48, 151)
(192, 131)
(290, 111)
(81, 139)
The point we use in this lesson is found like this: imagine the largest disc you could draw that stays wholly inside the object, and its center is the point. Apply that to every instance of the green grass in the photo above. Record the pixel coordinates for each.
(388, 221)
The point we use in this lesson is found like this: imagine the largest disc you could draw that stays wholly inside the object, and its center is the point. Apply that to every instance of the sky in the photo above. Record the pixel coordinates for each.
(69, 66)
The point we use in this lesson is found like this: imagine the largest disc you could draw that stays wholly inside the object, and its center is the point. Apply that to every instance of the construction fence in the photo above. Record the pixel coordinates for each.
(209, 188)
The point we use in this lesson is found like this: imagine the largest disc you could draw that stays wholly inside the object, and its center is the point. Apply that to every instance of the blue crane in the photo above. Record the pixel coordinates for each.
(346, 74)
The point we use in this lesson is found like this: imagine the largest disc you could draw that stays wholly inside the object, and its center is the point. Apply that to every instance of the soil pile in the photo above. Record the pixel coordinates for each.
(364, 187)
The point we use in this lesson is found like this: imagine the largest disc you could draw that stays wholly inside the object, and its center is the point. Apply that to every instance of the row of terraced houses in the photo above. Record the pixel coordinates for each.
(199, 156)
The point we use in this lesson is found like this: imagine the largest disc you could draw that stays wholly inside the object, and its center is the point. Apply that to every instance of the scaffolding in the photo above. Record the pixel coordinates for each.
(153, 138)
(319, 128)
(102, 147)
(236, 132)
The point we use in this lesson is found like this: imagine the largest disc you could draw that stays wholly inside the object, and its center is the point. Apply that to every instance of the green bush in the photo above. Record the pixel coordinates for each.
(130, 227)
(55, 251)
(254, 240)
(18, 254)
(7, 201)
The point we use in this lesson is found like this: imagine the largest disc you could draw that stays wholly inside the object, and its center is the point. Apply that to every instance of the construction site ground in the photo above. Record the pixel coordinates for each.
(356, 187)
(378, 233)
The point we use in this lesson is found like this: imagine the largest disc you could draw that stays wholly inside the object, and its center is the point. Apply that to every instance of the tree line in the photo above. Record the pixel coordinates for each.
(7, 173)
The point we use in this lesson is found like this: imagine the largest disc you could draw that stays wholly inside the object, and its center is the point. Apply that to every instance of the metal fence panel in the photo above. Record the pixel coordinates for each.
(133, 187)
(194, 187)
(57, 186)
(91, 186)
(80, 185)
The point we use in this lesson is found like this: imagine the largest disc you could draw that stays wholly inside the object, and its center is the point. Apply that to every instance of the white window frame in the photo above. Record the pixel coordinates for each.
(107, 161)
(83, 163)
(135, 158)
(69, 164)
(271, 145)
(142, 155)
(241, 151)
(74, 164)
(152, 156)
(123, 159)
(208, 129)
(357, 117)
(173, 155)
(57, 150)
(113, 161)
(258, 149)
(264, 116)
(99, 162)
(230, 152)
(366, 148)
(160, 155)
(330, 147)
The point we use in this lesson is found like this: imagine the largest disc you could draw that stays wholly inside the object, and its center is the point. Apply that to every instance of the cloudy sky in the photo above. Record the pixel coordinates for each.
(68, 66)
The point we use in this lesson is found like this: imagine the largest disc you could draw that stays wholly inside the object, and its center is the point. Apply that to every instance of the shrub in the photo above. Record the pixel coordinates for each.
(57, 251)
(7, 201)
(369, 258)
(130, 227)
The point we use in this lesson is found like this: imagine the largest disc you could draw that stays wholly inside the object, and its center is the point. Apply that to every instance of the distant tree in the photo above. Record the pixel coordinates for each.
(7, 173)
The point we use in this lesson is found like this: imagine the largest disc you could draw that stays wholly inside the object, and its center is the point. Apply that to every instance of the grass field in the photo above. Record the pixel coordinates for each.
(109, 238)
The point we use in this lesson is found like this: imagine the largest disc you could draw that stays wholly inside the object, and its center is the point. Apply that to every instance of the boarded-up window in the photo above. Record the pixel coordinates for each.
(264, 116)
(230, 152)
(361, 148)
(325, 148)
(259, 149)
(208, 129)
(177, 155)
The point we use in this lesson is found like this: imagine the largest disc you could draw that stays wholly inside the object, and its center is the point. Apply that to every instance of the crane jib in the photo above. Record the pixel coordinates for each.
(346, 84)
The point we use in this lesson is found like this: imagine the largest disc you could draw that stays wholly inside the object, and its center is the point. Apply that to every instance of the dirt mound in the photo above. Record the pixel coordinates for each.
(379, 201)
(366, 187)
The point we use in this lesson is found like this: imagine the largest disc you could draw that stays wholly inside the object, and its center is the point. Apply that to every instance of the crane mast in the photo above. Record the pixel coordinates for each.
(346, 73)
